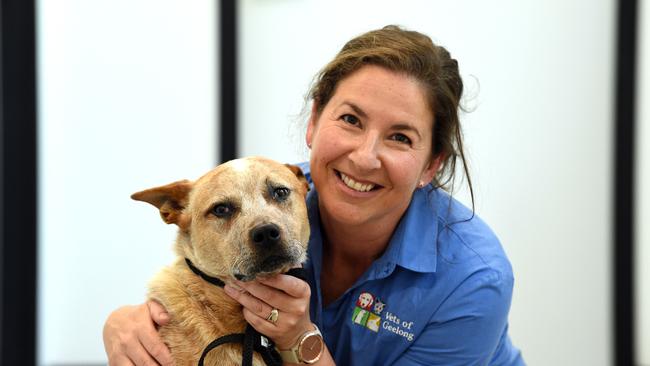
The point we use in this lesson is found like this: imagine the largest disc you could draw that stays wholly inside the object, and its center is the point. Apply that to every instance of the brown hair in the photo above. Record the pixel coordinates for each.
(414, 54)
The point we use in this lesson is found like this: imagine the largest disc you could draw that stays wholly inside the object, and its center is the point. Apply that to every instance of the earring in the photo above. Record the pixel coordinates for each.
(422, 184)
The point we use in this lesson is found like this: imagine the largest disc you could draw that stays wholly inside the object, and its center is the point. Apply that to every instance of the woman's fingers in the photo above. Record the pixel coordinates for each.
(123, 346)
(291, 285)
(158, 313)
(137, 353)
(120, 361)
(281, 292)
(154, 346)
(131, 338)
(257, 311)
(253, 304)
(261, 299)
(284, 333)
(290, 298)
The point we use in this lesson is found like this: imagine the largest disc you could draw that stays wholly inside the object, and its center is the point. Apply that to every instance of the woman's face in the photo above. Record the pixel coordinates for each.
(371, 147)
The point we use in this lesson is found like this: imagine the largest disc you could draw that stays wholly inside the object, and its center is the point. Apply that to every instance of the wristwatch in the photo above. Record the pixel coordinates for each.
(308, 349)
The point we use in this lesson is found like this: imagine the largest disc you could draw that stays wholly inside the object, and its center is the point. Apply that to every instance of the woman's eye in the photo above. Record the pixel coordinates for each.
(223, 210)
(350, 119)
(401, 138)
(280, 193)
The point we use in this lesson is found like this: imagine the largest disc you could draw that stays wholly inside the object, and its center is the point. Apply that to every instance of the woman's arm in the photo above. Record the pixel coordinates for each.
(131, 336)
(290, 296)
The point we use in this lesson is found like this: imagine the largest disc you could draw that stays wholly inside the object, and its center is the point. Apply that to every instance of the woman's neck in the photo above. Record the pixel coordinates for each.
(348, 251)
(356, 244)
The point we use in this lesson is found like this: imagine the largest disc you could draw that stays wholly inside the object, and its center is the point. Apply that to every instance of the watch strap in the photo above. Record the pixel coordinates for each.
(290, 355)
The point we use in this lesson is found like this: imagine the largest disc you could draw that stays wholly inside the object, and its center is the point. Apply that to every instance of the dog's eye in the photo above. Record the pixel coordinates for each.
(281, 193)
(223, 210)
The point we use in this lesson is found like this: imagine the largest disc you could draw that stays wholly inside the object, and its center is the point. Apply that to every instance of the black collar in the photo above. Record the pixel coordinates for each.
(295, 272)
(213, 280)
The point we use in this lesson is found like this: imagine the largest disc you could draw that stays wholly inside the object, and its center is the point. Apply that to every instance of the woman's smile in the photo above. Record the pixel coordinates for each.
(356, 184)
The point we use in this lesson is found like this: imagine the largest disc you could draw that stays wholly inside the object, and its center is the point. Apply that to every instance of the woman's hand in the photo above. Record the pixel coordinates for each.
(131, 336)
(287, 294)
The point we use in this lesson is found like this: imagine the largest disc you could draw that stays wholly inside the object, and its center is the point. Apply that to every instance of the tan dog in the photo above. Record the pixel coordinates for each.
(245, 218)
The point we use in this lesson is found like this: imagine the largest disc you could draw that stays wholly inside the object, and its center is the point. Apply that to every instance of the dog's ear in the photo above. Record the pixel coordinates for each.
(170, 199)
(301, 177)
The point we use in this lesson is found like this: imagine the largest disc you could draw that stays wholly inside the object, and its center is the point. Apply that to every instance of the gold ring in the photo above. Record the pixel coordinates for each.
(273, 317)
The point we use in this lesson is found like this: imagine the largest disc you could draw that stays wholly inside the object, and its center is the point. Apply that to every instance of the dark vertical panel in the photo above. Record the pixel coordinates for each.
(228, 79)
(18, 193)
(624, 348)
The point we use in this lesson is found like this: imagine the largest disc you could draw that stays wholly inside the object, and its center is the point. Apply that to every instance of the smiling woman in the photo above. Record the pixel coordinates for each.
(398, 272)
(389, 249)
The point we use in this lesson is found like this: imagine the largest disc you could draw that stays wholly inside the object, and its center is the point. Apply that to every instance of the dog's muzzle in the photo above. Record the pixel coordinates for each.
(272, 252)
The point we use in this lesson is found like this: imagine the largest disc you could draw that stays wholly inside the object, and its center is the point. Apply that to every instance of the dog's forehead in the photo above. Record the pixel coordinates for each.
(247, 170)
(238, 165)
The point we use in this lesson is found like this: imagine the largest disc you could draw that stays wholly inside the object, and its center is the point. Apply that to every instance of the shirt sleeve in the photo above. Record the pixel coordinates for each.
(468, 326)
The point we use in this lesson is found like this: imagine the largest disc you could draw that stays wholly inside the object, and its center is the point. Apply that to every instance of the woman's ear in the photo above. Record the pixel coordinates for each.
(431, 170)
(312, 123)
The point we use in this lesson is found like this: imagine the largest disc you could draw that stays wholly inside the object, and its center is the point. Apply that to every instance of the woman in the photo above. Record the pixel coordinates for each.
(400, 273)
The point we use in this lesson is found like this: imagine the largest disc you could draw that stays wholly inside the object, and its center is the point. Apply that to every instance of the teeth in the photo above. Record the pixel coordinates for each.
(356, 185)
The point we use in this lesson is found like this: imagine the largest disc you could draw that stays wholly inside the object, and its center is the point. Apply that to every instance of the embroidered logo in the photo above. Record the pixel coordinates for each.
(379, 306)
(368, 313)
(365, 300)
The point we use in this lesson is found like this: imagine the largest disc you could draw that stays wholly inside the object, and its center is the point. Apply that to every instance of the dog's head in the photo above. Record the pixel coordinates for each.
(245, 218)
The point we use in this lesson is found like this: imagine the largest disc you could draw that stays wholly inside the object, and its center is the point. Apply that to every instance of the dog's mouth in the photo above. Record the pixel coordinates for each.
(274, 263)
(270, 265)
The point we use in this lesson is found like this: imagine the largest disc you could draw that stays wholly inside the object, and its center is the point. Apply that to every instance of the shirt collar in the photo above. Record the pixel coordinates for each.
(413, 244)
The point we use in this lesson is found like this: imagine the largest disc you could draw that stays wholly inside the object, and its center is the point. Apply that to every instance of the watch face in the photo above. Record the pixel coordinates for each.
(311, 348)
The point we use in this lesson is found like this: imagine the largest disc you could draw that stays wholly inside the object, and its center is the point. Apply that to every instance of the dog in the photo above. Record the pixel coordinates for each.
(243, 219)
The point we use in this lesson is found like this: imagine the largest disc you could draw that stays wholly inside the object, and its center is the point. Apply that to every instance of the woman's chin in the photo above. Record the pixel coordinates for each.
(344, 213)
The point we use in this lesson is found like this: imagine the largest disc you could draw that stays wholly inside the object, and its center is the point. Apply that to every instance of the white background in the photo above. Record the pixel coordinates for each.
(128, 101)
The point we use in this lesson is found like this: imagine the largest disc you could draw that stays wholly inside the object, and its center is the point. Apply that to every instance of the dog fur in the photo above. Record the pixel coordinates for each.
(225, 246)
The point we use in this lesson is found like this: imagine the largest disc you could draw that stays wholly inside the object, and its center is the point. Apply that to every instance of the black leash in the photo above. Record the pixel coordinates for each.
(252, 340)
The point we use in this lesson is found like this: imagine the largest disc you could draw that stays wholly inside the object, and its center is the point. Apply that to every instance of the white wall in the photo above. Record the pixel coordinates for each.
(126, 102)
(642, 237)
(539, 139)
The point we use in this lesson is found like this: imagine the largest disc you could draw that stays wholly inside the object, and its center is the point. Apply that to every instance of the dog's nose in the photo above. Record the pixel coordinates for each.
(266, 235)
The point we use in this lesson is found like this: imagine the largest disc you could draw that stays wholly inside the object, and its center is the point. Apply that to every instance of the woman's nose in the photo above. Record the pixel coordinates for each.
(365, 154)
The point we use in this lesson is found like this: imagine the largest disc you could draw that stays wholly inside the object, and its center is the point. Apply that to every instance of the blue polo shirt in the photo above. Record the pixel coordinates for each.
(439, 294)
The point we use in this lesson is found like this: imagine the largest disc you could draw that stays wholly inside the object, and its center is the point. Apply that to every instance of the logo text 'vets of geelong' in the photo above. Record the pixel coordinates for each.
(368, 313)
